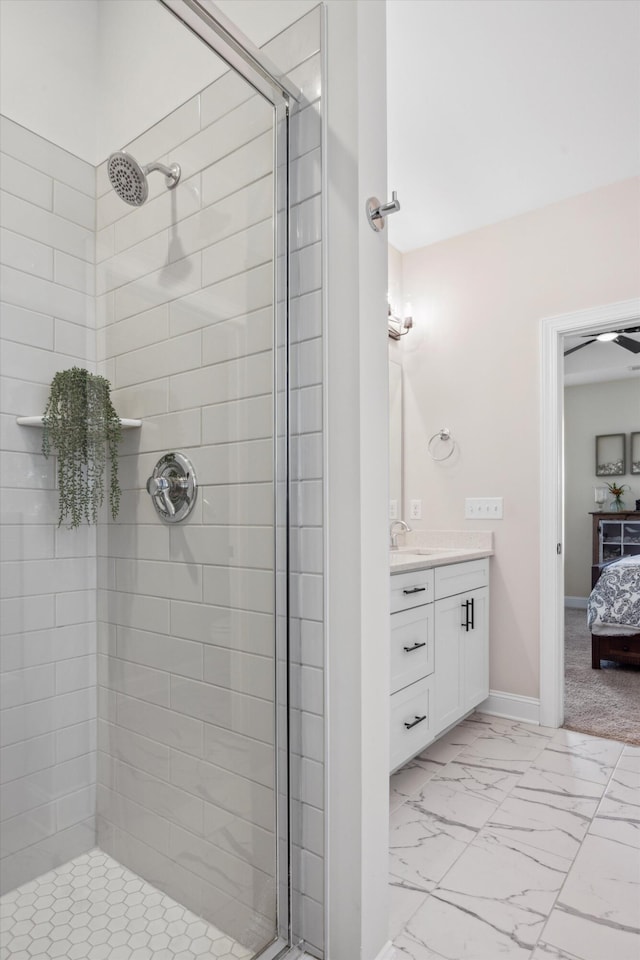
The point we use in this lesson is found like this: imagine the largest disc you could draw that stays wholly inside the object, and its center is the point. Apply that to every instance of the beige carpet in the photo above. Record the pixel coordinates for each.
(603, 703)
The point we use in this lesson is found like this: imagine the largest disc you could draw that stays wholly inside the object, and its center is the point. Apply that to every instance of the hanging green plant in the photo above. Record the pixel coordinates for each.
(82, 426)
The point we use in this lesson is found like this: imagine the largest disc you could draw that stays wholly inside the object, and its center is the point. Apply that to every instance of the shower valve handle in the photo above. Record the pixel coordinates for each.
(160, 487)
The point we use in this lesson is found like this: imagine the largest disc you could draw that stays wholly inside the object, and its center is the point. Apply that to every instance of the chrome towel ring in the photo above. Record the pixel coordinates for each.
(444, 435)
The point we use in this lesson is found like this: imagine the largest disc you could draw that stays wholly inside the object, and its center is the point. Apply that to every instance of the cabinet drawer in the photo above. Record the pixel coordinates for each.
(411, 589)
(460, 577)
(411, 721)
(411, 646)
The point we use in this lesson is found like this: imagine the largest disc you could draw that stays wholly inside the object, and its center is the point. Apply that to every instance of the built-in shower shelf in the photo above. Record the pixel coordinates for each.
(37, 422)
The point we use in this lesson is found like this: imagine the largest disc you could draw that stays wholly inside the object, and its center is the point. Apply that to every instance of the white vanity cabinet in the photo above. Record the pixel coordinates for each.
(439, 652)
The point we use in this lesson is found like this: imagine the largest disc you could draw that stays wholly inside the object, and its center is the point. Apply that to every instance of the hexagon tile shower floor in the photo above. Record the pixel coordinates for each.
(92, 908)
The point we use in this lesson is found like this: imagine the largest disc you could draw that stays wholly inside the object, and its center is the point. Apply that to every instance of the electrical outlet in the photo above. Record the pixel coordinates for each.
(483, 508)
(393, 509)
(415, 509)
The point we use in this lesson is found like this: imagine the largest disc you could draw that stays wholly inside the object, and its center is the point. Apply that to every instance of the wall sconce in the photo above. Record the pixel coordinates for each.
(398, 327)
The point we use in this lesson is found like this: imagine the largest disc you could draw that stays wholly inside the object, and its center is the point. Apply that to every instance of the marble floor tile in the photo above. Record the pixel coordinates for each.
(410, 779)
(630, 758)
(440, 929)
(626, 832)
(409, 946)
(461, 735)
(453, 806)
(424, 844)
(484, 722)
(546, 951)
(492, 903)
(488, 780)
(545, 821)
(541, 831)
(622, 797)
(540, 781)
(499, 726)
(588, 939)
(404, 900)
(578, 755)
(517, 744)
(604, 885)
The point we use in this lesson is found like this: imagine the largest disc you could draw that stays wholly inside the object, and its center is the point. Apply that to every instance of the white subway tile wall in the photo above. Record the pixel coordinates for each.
(173, 302)
(47, 574)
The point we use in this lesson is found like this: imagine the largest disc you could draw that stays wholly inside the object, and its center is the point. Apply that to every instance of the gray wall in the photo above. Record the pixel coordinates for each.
(592, 409)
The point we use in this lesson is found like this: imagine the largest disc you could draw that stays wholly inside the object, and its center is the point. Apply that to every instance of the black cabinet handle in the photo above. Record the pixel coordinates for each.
(415, 722)
(415, 590)
(473, 613)
(465, 606)
(416, 646)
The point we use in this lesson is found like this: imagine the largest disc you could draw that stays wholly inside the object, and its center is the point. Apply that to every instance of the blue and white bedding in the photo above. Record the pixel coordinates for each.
(614, 604)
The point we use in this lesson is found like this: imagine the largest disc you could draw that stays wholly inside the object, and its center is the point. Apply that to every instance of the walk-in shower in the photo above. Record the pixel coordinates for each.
(161, 765)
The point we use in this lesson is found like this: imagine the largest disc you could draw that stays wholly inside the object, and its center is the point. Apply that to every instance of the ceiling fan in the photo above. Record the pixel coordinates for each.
(610, 336)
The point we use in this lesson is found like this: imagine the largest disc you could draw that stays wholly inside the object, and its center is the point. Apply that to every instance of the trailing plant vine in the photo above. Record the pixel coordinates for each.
(80, 423)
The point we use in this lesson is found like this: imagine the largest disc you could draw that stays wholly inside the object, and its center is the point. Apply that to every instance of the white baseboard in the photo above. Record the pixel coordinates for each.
(511, 707)
(576, 603)
(388, 952)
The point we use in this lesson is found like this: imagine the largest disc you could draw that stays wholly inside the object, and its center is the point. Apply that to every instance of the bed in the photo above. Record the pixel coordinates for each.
(613, 613)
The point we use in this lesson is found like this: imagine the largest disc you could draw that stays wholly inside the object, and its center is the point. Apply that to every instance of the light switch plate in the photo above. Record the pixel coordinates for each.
(415, 509)
(393, 509)
(483, 508)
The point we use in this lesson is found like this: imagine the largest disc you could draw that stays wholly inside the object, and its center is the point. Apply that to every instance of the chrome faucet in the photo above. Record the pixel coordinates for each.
(393, 533)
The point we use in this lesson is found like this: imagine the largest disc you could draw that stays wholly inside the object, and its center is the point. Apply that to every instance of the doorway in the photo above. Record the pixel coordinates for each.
(552, 491)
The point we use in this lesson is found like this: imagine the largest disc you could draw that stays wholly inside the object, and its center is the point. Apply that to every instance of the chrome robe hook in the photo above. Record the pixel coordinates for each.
(376, 211)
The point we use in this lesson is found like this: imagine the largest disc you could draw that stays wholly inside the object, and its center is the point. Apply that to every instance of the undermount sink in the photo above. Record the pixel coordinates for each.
(396, 556)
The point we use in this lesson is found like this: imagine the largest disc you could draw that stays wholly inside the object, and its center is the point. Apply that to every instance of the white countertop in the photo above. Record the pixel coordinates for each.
(407, 559)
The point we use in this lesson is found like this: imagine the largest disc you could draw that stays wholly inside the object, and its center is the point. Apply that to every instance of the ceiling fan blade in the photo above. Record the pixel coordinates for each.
(619, 332)
(579, 347)
(628, 344)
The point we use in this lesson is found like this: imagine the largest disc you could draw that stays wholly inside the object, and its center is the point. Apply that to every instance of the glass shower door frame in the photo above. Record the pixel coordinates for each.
(204, 19)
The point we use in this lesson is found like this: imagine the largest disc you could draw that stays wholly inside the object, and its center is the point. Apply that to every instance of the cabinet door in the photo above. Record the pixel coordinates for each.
(475, 646)
(448, 690)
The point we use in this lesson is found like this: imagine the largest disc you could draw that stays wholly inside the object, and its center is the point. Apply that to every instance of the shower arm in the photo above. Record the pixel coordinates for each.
(171, 173)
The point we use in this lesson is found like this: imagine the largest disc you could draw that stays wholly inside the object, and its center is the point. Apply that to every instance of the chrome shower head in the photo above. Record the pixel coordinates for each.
(129, 179)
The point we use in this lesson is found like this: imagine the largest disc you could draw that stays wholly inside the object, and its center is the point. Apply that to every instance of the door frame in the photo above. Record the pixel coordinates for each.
(552, 330)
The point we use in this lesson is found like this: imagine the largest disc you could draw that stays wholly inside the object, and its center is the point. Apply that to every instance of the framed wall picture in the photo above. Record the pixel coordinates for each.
(610, 455)
(634, 452)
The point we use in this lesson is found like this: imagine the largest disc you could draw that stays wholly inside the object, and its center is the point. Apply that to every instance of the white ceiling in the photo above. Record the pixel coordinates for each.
(600, 361)
(92, 75)
(497, 107)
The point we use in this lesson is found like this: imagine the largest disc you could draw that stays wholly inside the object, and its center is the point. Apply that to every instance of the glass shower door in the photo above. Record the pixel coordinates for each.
(186, 794)
(140, 756)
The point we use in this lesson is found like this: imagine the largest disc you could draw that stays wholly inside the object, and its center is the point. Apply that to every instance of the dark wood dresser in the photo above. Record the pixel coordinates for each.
(615, 535)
